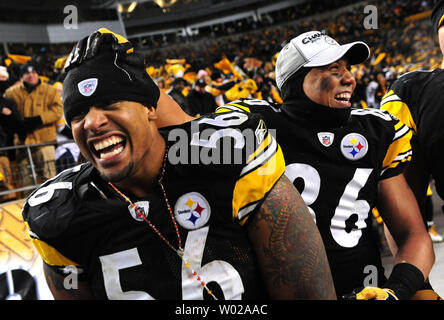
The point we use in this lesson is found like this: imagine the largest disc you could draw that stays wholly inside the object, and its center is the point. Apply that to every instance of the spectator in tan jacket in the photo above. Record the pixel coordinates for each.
(40, 107)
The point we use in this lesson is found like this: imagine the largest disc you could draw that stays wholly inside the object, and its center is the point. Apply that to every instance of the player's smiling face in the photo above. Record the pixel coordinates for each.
(330, 85)
(115, 138)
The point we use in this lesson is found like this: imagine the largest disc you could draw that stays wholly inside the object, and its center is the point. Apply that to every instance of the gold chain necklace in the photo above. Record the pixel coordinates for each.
(179, 250)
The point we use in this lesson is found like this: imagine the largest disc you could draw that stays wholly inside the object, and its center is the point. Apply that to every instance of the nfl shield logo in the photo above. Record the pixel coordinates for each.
(326, 138)
(88, 86)
(143, 207)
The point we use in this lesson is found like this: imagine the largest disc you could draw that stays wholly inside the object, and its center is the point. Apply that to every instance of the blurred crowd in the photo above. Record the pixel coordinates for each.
(215, 68)
(402, 41)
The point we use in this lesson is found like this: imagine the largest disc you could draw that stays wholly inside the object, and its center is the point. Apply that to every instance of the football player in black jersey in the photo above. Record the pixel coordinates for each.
(147, 219)
(415, 99)
(344, 162)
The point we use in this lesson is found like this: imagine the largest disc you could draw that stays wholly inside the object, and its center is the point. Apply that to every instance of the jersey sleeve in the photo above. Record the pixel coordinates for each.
(47, 213)
(399, 152)
(237, 105)
(392, 103)
(408, 93)
(399, 101)
(247, 105)
(50, 255)
(264, 166)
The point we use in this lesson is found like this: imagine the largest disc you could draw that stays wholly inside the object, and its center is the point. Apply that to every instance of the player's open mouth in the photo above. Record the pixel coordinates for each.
(343, 98)
(108, 147)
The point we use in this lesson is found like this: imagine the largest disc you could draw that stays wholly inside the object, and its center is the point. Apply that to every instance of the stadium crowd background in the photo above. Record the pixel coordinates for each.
(236, 60)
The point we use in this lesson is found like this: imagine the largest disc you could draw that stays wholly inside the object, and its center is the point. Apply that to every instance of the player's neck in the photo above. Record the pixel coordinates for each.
(145, 178)
(169, 112)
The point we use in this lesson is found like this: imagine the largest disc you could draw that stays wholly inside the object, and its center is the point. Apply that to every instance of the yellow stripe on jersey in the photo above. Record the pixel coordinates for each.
(259, 149)
(393, 104)
(49, 254)
(223, 109)
(256, 180)
(240, 106)
(400, 149)
(232, 107)
(400, 130)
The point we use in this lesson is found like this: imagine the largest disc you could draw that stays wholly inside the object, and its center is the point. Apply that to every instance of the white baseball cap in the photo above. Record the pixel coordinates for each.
(315, 49)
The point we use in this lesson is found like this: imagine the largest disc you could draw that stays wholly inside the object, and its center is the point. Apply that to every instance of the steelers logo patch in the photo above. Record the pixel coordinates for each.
(192, 211)
(330, 40)
(354, 146)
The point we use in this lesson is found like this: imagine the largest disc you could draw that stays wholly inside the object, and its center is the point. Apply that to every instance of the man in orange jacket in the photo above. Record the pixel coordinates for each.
(40, 107)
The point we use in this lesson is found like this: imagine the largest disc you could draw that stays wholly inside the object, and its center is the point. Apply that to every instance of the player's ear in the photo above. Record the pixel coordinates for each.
(151, 112)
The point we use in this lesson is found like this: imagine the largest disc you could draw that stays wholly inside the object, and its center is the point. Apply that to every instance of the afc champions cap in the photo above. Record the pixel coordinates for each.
(315, 49)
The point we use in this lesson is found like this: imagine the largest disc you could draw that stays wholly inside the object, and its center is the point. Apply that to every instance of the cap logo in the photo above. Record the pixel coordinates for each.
(330, 40)
(192, 211)
(87, 87)
(312, 38)
(354, 146)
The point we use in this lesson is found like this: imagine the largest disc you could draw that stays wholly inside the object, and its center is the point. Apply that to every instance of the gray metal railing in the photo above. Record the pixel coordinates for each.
(18, 172)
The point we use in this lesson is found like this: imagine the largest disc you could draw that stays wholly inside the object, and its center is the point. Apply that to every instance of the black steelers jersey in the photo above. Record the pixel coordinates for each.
(416, 99)
(337, 171)
(219, 170)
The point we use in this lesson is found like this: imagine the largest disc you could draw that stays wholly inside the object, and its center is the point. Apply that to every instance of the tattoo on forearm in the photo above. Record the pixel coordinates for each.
(294, 251)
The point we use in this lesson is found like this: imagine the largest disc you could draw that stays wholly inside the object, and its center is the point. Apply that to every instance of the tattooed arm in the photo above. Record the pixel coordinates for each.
(55, 281)
(289, 248)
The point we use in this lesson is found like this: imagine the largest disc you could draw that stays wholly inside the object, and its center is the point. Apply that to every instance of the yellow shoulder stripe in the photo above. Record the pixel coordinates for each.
(261, 147)
(49, 254)
(400, 149)
(399, 125)
(222, 109)
(254, 185)
(232, 107)
(399, 109)
(241, 107)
